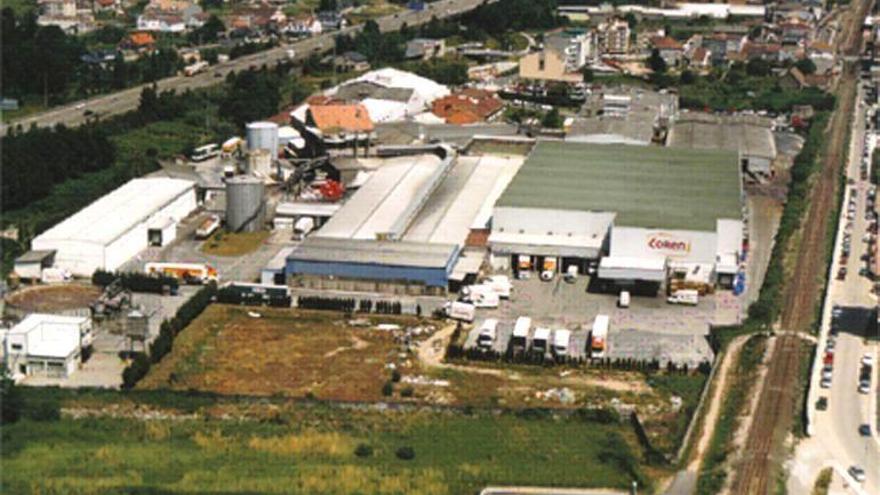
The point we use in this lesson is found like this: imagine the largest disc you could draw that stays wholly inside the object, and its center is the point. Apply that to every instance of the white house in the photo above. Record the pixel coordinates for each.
(46, 345)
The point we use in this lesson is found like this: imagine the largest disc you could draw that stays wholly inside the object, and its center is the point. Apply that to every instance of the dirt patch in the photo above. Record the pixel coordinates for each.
(51, 298)
(288, 352)
(237, 244)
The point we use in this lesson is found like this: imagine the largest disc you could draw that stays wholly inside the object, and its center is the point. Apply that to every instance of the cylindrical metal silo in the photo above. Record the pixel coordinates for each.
(245, 204)
(263, 135)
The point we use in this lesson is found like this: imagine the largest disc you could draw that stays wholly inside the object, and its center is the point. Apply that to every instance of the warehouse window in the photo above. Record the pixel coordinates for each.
(16, 347)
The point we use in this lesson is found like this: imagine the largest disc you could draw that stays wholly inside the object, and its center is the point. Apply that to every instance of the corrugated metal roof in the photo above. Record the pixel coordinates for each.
(645, 186)
(749, 135)
(409, 254)
(114, 214)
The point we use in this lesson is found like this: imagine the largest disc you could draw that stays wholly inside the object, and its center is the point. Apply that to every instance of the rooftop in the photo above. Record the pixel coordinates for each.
(115, 213)
(50, 335)
(670, 188)
(749, 135)
(370, 252)
(341, 118)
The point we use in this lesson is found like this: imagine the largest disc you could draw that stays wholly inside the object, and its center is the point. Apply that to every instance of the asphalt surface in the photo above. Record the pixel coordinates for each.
(835, 440)
(123, 101)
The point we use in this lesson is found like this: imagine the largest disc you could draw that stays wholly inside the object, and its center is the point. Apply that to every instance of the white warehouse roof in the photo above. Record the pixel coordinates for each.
(51, 336)
(114, 214)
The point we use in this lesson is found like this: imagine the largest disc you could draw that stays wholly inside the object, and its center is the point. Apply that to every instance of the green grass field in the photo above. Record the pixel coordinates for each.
(299, 449)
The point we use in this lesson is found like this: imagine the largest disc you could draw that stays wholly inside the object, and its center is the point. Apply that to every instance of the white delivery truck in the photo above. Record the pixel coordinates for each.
(302, 227)
(521, 332)
(541, 339)
(561, 340)
(500, 284)
(488, 332)
(599, 336)
(462, 311)
(689, 297)
(481, 296)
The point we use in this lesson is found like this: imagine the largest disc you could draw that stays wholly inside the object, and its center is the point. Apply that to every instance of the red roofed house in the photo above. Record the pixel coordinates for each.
(700, 58)
(468, 106)
(340, 124)
(141, 41)
(671, 51)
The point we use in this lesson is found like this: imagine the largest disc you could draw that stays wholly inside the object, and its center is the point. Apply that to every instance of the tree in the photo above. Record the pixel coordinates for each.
(326, 5)
(210, 31)
(656, 62)
(552, 119)
(587, 74)
(10, 399)
(687, 77)
(806, 66)
(253, 96)
(120, 72)
(758, 68)
(631, 20)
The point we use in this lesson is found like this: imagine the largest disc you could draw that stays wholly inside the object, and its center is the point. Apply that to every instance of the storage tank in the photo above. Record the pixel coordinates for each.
(259, 162)
(245, 205)
(263, 135)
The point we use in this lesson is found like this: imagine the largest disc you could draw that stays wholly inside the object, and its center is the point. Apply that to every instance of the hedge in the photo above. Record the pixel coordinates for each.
(168, 330)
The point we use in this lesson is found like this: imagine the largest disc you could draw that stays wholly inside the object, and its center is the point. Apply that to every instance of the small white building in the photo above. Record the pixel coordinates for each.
(46, 345)
(115, 228)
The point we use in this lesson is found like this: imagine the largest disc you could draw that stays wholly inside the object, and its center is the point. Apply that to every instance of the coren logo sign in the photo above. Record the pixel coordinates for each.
(665, 242)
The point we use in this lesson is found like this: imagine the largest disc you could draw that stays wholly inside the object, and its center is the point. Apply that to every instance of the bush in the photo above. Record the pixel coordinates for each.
(405, 453)
(388, 389)
(363, 450)
(395, 376)
(407, 392)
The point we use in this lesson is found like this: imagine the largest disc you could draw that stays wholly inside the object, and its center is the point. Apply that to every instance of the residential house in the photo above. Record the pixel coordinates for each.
(721, 44)
(770, 52)
(795, 79)
(613, 37)
(257, 17)
(331, 20)
(467, 106)
(822, 55)
(670, 50)
(425, 48)
(547, 65)
(699, 58)
(577, 46)
(795, 32)
(46, 345)
(351, 61)
(139, 41)
(66, 15)
(105, 5)
(303, 25)
(170, 16)
(58, 8)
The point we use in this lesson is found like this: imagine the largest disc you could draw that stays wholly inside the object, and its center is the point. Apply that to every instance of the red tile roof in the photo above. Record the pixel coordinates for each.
(337, 117)
(665, 43)
(141, 39)
(467, 106)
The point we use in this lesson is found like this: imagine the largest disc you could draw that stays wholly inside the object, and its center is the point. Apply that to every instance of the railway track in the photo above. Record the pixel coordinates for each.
(776, 405)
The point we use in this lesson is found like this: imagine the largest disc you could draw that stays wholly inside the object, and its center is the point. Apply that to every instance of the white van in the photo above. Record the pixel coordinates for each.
(623, 301)
(481, 296)
(488, 331)
(687, 297)
(460, 311)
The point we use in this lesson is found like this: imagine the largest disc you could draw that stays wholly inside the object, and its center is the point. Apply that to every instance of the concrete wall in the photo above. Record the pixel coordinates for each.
(437, 277)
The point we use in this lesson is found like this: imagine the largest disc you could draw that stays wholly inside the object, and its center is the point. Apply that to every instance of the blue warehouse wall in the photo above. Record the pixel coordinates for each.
(434, 277)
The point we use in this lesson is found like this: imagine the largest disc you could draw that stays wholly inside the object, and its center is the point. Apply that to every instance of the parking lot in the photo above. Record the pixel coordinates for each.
(649, 328)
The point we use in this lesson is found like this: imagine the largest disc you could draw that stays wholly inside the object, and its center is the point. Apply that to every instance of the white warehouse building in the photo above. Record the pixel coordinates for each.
(116, 227)
(642, 211)
(46, 345)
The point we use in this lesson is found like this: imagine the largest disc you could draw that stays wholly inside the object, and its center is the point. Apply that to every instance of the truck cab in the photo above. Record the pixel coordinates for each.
(488, 332)
(541, 339)
(561, 340)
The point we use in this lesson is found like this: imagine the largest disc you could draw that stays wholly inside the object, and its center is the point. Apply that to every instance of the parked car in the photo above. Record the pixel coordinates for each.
(865, 430)
(822, 404)
(868, 360)
(857, 473)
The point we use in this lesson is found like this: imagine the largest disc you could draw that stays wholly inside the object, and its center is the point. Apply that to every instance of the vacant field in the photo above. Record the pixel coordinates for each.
(308, 449)
(234, 244)
(49, 298)
(288, 352)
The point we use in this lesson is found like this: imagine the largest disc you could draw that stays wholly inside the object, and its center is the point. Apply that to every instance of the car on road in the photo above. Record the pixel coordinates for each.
(865, 430)
(825, 383)
(868, 360)
(857, 473)
(822, 404)
(841, 273)
(864, 387)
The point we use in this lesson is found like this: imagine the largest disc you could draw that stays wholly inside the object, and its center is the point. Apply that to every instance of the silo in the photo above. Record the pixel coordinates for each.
(245, 206)
(263, 135)
(259, 162)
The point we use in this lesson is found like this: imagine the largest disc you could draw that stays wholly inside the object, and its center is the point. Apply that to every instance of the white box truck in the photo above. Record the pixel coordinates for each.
(599, 336)
(488, 332)
(302, 227)
(687, 297)
(561, 340)
(481, 296)
(521, 332)
(541, 339)
(571, 274)
(462, 311)
(500, 284)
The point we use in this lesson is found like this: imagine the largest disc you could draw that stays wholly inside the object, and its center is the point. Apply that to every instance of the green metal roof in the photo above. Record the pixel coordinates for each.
(647, 186)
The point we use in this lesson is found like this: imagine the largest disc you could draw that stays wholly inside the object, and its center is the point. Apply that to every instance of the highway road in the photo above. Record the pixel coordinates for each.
(73, 114)
(834, 438)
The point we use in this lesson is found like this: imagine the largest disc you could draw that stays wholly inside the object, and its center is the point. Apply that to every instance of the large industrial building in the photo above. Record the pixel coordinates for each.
(641, 210)
(749, 135)
(116, 227)
(46, 345)
(419, 222)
